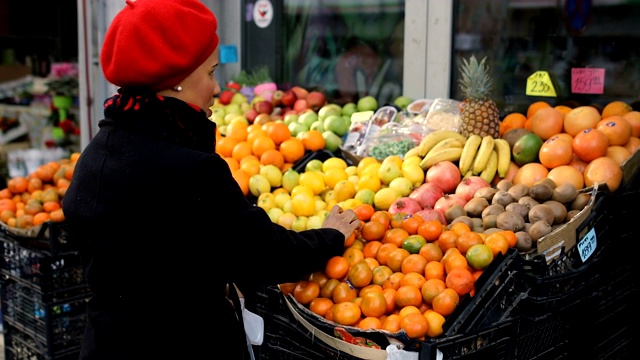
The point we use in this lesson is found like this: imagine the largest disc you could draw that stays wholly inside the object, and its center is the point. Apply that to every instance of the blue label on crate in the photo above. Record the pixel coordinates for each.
(587, 245)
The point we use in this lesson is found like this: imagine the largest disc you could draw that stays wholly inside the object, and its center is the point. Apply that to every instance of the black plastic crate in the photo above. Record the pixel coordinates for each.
(50, 274)
(53, 328)
(48, 238)
(497, 341)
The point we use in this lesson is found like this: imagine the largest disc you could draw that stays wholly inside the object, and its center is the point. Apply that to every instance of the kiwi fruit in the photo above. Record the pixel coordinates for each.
(539, 229)
(559, 211)
(486, 193)
(514, 135)
(519, 190)
(493, 209)
(528, 201)
(454, 211)
(565, 193)
(504, 184)
(541, 192)
(509, 220)
(502, 198)
(489, 221)
(520, 209)
(581, 201)
(571, 214)
(463, 219)
(524, 242)
(541, 212)
(545, 180)
(475, 206)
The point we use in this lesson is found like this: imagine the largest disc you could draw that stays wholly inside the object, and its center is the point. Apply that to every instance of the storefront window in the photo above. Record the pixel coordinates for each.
(347, 49)
(520, 37)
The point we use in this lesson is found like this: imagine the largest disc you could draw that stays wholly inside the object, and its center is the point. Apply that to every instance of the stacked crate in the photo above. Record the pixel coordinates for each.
(43, 294)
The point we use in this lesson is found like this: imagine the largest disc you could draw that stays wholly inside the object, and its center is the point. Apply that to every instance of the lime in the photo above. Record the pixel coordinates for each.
(479, 256)
(413, 243)
(526, 149)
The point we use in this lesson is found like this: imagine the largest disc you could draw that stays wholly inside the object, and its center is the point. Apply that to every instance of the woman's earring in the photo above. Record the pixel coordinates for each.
(178, 88)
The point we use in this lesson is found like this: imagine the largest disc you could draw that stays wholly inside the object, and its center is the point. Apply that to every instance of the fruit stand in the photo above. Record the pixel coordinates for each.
(501, 251)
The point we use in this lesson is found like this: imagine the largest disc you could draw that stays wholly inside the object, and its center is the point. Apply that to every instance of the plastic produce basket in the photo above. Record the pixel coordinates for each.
(36, 327)
(48, 238)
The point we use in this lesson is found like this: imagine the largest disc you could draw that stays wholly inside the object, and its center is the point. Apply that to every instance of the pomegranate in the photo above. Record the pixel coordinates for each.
(431, 214)
(468, 186)
(447, 201)
(446, 175)
(405, 205)
(427, 194)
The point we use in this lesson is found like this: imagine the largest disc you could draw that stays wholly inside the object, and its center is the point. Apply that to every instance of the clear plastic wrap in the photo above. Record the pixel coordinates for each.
(444, 114)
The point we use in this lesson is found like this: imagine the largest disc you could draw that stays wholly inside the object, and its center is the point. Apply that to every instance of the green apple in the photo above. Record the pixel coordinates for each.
(365, 196)
(232, 109)
(402, 185)
(315, 222)
(336, 124)
(389, 171)
(239, 98)
(297, 128)
(318, 125)
(349, 108)
(367, 103)
(289, 118)
(290, 179)
(329, 109)
(308, 118)
(332, 141)
(402, 102)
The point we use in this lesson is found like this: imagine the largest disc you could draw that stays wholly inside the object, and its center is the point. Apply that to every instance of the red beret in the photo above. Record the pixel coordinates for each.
(157, 43)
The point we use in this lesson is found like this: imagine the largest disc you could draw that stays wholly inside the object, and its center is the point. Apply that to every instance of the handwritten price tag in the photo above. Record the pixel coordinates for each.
(540, 84)
(587, 81)
(587, 245)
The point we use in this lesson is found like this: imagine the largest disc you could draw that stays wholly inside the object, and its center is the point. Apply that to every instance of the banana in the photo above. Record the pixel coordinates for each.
(469, 152)
(447, 154)
(484, 152)
(411, 152)
(430, 140)
(490, 170)
(447, 143)
(468, 174)
(504, 156)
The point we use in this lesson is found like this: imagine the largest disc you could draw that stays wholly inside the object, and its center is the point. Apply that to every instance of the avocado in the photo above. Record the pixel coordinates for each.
(513, 135)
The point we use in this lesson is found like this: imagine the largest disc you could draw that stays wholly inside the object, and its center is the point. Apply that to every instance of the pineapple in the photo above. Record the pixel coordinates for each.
(478, 112)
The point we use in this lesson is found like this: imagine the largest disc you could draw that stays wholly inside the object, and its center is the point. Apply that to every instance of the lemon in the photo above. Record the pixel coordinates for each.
(365, 196)
(274, 214)
(334, 162)
(303, 205)
(302, 189)
(364, 163)
(286, 220)
(395, 159)
(281, 199)
(344, 190)
(370, 182)
(314, 180)
(414, 173)
(333, 175)
(371, 169)
(383, 199)
(413, 159)
(290, 179)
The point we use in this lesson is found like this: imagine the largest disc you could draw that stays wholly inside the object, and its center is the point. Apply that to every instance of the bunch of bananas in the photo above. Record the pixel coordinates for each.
(476, 155)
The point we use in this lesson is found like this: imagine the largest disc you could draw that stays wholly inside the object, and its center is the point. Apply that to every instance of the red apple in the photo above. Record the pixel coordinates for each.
(251, 114)
(316, 100)
(233, 85)
(289, 98)
(301, 93)
(263, 107)
(276, 98)
(300, 105)
(226, 96)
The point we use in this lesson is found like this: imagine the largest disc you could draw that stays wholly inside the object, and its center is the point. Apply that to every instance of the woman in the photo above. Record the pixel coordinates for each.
(161, 225)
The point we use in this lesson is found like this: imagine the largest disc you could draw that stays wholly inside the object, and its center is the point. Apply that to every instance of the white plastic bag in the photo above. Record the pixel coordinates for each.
(253, 325)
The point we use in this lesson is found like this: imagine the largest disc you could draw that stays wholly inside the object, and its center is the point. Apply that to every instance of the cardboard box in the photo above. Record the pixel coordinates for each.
(630, 169)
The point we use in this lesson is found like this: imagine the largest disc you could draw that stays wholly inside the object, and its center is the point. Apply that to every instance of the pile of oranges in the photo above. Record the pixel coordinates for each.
(245, 147)
(31, 200)
(582, 145)
(384, 281)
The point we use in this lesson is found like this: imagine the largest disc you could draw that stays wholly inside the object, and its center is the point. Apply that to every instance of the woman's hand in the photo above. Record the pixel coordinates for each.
(345, 221)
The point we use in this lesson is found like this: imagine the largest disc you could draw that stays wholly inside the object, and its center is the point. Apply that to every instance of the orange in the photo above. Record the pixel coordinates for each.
(7, 204)
(240, 150)
(250, 165)
(435, 321)
(353, 255)
(430, 230)
(232, 163)
(563, 109)
(384, 251)
(510, 235)
(45, 172)
(555, 151)
(431, 251)
(364, 211)
(380, 274)
(618, 153)
(633, 117)
(577, 163)
(497, 242)
(5, 194)
(373, 304)
(34, 183)
(445, 302)
(272, 156)
(373, 230)
(434, 270)
(581, 118)
(360, 274)
(394, 261)
(616, 128)
(255, 131)
(410, 309)
(292, 149)
(413, 278)
(337, 267)
(460, 228)
(278, 132)
(590, 144)
(431, 288)
(617, 107)
(392, 323)
(534, 107)
(20, 184)
(461, 280)
(237, 130)
(372, 262)
(468, 239)
(383, 217)
(447, 240)
(261, 144)
(633, 144)
(455, 260)
(346, 313)
(370, 323)
(370, 248)
(603, 170)
(547, 122)
(49, 206)
(514, 120)
(529, 173)
(313, 140)
(242, 178)
(415, 325)
(343, 292)
(408, 295)
(415, 263)
(395, 236)
(6, 215)
(305, 291)
(393, 282)
(411, 223)
(57, 215)
(320, 305)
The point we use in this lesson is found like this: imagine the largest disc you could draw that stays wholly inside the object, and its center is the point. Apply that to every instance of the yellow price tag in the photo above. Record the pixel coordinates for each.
(540, 84)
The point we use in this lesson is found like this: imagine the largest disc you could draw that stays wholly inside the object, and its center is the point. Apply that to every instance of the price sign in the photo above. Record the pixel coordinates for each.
(587, 81)
(587, 245)
(540, 84)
